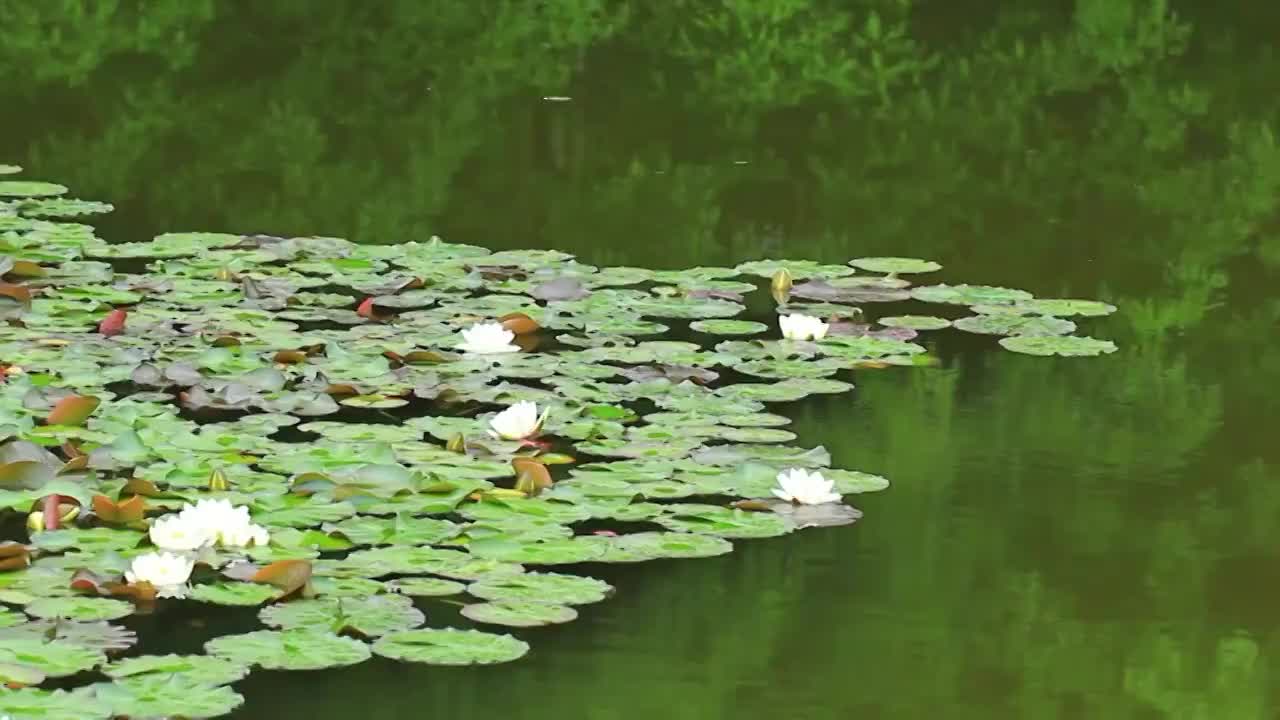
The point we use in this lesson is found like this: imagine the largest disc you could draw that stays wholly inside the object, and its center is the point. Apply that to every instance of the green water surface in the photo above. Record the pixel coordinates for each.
(1064, 538)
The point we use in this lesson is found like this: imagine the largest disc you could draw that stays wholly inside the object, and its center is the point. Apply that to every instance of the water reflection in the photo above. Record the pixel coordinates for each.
(1063, 539)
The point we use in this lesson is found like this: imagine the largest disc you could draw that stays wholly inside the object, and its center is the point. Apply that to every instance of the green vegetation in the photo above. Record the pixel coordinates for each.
(1080, 537)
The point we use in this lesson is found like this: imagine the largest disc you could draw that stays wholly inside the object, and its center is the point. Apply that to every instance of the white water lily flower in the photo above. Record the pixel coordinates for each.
(226, 524)
(802, 327)
(173, 532)
(518, 421)
(805, 488)
(487, 338)
(166, 571)
(244, 535)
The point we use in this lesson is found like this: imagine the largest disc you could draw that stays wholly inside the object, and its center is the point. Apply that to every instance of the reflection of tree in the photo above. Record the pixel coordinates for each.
(1015, 135)
(66, 41)
(1077, 587)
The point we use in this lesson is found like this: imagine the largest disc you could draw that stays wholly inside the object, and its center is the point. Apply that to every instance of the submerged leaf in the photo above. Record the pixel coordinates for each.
(288, 575)
(73, 410)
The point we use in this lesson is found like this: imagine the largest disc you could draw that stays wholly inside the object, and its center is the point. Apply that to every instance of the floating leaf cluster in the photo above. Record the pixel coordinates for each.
(326, 392)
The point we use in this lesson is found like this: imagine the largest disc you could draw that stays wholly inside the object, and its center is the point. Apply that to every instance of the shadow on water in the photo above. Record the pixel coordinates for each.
(1063, 539)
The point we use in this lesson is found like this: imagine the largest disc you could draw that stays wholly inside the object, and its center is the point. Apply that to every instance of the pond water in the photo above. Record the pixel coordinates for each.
(1064, 538)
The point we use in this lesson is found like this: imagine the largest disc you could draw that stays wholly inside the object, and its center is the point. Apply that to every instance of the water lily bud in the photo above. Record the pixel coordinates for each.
(224, 274)
(69, 512)
(457, 443)
(35, 522)
(218, 480)
(781, 285)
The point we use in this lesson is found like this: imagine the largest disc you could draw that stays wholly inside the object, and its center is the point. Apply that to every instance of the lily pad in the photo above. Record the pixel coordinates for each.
(97, 635)
(150, 696)
(34, 703)
(724, 522)
(519, 614)
(1008, 324)
(550, 552)
(54, 658)
(728, 327)
(639, 547)
(234, 593)
(542, 587)
(1062, 345)
(369, 616)
(201, 669)
(289, 649)
(450, 647)
(30, 188)
(426, 587)
(79, 608)
(895, 265)
(915, 322)
(399, 530)
(969, 294)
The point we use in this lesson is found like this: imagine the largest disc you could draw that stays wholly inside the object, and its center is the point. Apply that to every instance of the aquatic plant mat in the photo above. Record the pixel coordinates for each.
(326, 393)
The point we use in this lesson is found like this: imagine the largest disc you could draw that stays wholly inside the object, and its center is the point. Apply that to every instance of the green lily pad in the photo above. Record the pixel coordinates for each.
(895, 265)
(450, 647)
(202, 669)
(399, 560)
(1065, 308)
(233, 593)
(40, 704)
(549, 552)
(851, 481)
(92, 540)
(399, 530)
(369, 616)
(915, 322)
(166, 696)
(640, 547)
(1008, 324)
(479, 568)
(374, 401)
(60, 207)
(97, 635)
(724, 522)
(542, 587)
(289, 649)
(969, 294)
(30, 188)
(519, 614)
(79, 608)
(426, 587)
(798, 268)
(331, 587)
(54, 658)
(757, 435)
(1062, 345)
(728, 327)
